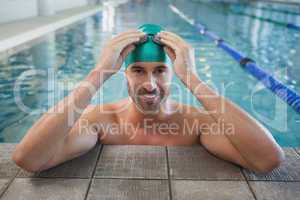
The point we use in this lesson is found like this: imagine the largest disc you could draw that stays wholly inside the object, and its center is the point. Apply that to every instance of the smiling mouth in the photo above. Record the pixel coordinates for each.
(149, 98)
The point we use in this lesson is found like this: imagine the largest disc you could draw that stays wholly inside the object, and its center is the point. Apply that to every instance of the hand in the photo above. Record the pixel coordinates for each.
(181, 53)
(115, 50)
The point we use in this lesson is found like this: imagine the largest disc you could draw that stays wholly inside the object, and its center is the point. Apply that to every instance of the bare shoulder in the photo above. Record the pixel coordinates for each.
(192, 113)
(189, 110)
(105, 112)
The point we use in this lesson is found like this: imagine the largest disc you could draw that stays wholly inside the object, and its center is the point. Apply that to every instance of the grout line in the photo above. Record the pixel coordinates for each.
(54, 177)
(97, 160)
(208, 179)
(169, 177)
(194, 180)
(281, 181)
(134, 178)
(93, 173)
(249, 186)
(228, 180)
(8, 184)
(296, 151)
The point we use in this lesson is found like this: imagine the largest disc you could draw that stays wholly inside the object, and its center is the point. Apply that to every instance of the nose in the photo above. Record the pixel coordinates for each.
(150, 84)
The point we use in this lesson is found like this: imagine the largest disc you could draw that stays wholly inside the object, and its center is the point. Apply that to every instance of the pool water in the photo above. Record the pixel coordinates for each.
(34, 79)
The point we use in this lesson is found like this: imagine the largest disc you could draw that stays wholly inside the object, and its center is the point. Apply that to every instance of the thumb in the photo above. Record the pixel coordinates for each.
(170, 53)
(124, 53)
(127, 50)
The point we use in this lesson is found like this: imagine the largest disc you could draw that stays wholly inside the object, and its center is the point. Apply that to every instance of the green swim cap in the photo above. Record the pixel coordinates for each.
(148, 51)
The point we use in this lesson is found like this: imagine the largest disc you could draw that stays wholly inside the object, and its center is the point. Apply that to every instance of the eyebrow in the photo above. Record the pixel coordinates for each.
(136, 67)
(140, 67)
(161, 67)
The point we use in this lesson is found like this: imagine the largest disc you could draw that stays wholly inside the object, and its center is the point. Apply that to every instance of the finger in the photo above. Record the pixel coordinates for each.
(141, 38)
(171, 44)
(172, 35)
(174, 38)
(126, 32)
(170, 53)
(165, 37)
(136, 38)
(129, 34)
(122, 43)
(124, 54)
(129, 41)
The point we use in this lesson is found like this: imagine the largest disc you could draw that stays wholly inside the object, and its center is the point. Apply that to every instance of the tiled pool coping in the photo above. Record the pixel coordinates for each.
(148, 172)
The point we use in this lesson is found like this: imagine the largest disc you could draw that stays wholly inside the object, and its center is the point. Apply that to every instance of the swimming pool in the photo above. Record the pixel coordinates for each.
(46, 72)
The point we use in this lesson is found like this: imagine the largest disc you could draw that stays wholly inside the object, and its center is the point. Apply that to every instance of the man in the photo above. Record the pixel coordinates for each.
(148, 116)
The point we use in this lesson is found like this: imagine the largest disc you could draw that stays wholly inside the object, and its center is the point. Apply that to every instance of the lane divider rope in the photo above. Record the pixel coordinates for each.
(249, 65)
(271, 9)
(287, 25)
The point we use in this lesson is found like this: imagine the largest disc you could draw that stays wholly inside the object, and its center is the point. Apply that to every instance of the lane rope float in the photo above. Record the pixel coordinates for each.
(249, 65)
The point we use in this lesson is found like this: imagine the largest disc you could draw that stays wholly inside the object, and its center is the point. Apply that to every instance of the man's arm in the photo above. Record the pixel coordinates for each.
(50, 140)
(78, 141)
(253, 148)
(250, 144)
(53, 138)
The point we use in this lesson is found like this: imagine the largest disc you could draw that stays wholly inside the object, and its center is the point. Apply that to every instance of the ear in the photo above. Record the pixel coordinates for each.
(170, 53)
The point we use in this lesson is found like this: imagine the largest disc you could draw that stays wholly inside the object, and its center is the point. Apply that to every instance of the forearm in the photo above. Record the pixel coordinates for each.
(248, 136)
(48, 134)
(43, 139)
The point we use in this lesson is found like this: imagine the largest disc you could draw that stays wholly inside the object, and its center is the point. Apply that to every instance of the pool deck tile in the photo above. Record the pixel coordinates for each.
(288, 171)
(145, 162)
(148, 172)
(81, 167)
(3, 185)
(197, 164)
(276, 190)
(46, 188)
(208, 190)
(7, 166)
(129, 189)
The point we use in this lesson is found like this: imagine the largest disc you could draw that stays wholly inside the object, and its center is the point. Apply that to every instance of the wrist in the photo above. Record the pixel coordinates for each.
(187, 77)
(98, 76)
(106, 69)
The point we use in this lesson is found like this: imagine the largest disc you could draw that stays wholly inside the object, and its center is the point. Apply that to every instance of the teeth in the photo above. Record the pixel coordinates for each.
(149, 95)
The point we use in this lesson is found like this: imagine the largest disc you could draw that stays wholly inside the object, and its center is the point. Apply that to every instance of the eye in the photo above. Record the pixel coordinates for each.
(138, 71)
(160, 70)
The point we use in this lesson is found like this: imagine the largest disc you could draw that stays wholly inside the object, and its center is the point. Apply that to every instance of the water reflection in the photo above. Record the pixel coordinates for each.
(32, 80)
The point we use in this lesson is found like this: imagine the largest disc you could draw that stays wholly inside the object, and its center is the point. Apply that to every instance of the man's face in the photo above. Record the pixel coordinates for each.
(148, 85)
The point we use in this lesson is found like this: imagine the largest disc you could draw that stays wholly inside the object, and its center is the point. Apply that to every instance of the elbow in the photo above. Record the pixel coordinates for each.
(21, 161)
(271, 163)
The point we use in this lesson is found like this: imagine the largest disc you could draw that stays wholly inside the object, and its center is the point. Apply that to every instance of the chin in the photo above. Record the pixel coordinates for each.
(149, 109)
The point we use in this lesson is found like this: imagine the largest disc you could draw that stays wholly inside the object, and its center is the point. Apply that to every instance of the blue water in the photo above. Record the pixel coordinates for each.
(48, 70)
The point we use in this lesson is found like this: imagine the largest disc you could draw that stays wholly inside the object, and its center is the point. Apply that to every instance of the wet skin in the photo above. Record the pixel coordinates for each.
(56, 137)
